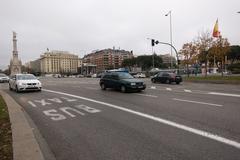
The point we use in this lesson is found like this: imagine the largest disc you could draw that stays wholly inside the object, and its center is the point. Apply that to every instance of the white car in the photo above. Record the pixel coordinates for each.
(140, 75)
(3, 78)
(24, 82)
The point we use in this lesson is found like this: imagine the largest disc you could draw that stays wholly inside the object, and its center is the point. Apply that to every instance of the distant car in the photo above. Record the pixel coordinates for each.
(3, 78)
(80, 76)
(139, 75)
(122, 81)
(24, 82)
(57, 76)
(166, 77)
(94, 75)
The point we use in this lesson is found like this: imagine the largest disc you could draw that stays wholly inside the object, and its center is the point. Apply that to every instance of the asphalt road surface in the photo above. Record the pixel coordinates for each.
(190, 121)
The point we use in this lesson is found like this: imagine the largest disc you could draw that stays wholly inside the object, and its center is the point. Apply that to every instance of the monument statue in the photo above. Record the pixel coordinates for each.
(15, 63)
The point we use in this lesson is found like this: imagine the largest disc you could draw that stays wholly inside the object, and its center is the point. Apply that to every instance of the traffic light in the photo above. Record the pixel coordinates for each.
(153, 42)
(156, 42)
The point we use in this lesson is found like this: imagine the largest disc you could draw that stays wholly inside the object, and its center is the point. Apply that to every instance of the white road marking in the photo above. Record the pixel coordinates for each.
(57, 100)
(32, 104)
(210, 104)
(42, 102)
(157, 119)
(148, 95)
(68, 99)
(92, 88)
(186, 90)
(153, 87)
(224, 94)
(169, 89)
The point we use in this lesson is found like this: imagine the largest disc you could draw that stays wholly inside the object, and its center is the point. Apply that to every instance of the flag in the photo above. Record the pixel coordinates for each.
(216, 32)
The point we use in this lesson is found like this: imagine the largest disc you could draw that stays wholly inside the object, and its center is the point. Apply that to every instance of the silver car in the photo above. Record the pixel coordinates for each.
(24, 82)
(3, 78)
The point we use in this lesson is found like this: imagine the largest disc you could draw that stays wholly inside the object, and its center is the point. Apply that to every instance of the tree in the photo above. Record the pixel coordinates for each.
(189, 52)
(234, 53)
(129, 62)
(219, 50)
(204, 42)
(144, 61)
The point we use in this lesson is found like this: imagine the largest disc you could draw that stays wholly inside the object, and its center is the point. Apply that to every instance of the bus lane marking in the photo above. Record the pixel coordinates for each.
(195, 131)
(65, 112)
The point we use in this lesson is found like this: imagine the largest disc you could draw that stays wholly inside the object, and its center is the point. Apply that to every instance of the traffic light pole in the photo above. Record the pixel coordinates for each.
(153, 57)
(153, 42)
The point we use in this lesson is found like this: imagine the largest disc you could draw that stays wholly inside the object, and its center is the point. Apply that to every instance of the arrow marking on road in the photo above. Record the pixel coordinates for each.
(186, 90)
(158, 119)
(169, 89)
(153, 87)
(148, 95)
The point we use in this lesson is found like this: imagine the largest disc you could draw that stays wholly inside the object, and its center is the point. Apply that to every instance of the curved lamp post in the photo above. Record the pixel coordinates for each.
(174, 50)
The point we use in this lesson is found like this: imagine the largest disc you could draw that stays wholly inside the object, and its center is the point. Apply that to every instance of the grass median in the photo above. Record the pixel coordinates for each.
(214, 79)
(6, 152)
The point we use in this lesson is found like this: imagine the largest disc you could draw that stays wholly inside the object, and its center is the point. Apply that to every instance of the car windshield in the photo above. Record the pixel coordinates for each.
(124, 75)
(26, 77)
(172, 74)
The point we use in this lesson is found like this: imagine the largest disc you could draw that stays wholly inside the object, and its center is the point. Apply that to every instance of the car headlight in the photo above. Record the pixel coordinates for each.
(22, 84)
(133, 84)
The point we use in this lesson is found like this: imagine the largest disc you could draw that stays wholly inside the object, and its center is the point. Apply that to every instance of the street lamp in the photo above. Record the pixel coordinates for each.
(170, 15)
(238, 12)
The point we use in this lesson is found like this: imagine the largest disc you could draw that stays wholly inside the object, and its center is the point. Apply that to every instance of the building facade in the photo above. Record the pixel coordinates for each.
(61, 62)
(33, 66)
(167, 59)
(107, 58)
(15, 63)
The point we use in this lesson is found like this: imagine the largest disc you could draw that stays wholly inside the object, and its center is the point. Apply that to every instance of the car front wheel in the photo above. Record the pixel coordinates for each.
(16, 89)
(10, 88)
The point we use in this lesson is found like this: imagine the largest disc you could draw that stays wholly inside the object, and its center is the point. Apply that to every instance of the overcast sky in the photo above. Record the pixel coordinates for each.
(81, 26)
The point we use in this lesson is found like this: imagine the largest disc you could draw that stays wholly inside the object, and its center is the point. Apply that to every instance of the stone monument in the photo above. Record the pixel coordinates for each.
(15, 63)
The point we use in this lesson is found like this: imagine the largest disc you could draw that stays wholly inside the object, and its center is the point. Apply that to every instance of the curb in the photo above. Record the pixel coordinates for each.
(25, 145)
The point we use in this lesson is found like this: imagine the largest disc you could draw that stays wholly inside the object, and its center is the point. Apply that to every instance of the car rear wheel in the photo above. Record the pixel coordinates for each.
(153, 80)
(103, 87)
(123, 89)
(177, 82)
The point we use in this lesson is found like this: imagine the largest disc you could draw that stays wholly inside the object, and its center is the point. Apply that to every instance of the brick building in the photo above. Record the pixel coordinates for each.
(107, 58)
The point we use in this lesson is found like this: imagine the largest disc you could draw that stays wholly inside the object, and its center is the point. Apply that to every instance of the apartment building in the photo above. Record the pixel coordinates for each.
(107, 58)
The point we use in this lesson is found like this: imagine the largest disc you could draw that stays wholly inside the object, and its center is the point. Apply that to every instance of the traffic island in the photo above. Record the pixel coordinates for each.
(24, 144)
(213, 79)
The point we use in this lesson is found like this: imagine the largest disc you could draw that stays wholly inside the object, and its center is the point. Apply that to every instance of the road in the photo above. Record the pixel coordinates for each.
(80, 121)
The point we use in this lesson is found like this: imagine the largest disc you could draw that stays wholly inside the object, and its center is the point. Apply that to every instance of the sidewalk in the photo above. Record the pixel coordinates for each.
(25, 146)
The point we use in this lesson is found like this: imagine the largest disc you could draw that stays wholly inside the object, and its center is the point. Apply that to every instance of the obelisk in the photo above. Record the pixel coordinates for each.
(15, 63)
